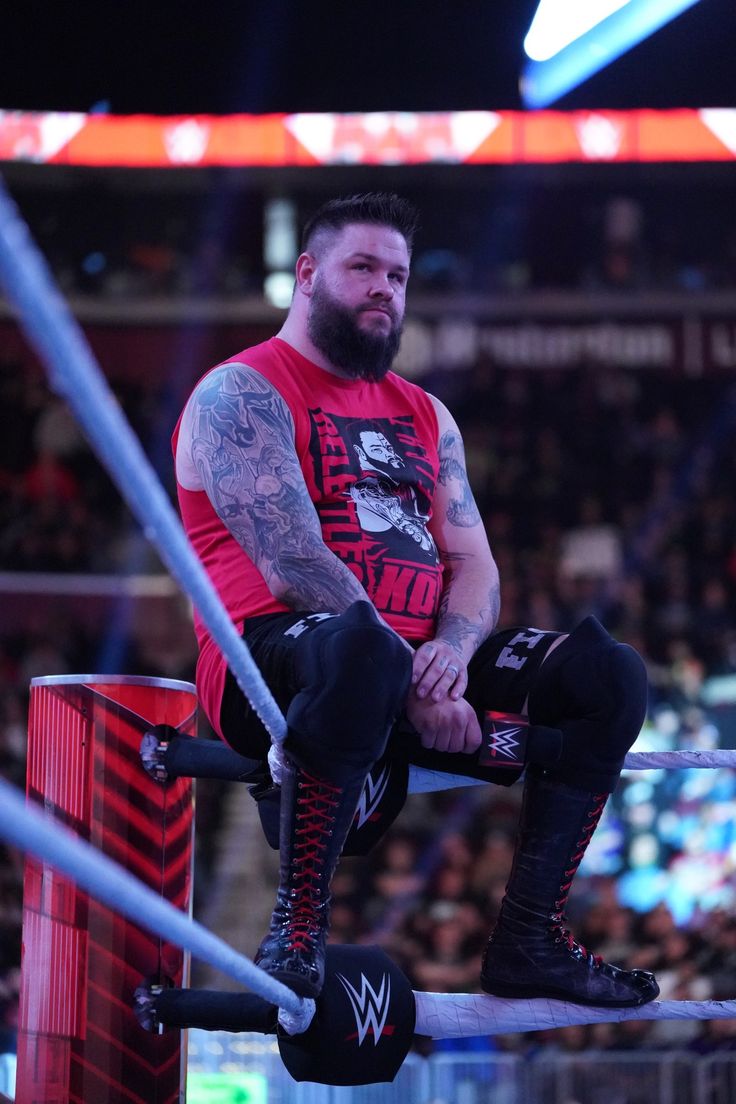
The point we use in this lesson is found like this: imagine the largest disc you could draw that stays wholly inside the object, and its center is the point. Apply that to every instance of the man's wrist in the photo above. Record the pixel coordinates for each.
(465, 649)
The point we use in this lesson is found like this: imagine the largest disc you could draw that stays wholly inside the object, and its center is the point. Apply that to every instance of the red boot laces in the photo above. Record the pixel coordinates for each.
(316, 803)
(562, 934)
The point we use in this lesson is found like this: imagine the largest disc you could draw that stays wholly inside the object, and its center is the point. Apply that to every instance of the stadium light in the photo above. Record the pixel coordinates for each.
(559, 22)
(568, 42)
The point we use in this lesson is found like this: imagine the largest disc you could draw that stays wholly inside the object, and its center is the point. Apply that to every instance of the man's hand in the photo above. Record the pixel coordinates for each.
(446, 725)
(438, 671)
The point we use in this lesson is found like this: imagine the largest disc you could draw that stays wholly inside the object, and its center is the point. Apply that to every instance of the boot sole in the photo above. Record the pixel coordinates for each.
(500, 989)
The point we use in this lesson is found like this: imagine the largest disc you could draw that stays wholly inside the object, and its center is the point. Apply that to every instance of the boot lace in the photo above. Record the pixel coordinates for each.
(316, 804)
(557, 918)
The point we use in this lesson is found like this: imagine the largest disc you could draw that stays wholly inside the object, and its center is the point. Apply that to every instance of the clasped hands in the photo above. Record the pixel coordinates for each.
(435, 705)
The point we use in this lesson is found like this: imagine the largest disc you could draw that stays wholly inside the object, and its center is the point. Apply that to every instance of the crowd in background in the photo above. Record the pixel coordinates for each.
(432, 893)
(605, 491)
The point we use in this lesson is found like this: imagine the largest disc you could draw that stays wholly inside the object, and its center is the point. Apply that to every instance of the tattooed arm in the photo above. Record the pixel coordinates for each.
(237, 445)
(470, 602)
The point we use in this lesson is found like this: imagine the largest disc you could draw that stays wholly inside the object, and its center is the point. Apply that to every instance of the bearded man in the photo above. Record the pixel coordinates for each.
(375, 627)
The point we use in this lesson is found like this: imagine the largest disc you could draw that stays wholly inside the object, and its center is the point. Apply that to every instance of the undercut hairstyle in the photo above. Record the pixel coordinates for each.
(378, 208)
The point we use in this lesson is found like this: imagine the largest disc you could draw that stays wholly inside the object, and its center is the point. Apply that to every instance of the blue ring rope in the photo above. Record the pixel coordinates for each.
(50, 841)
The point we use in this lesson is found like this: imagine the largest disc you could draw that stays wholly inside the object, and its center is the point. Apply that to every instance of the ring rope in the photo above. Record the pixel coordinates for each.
(440, 1015)
(677, 760)
(52, 842)
(422, 780)
(460, 1015)
(74, 374)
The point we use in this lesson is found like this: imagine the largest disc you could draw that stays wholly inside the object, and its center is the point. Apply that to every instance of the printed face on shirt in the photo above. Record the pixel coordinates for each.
(383, 475)
(357, 304)
(374, 486)
(376, 451)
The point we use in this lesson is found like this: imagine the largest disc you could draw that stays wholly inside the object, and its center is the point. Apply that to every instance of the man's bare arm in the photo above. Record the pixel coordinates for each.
(471, 600)
(241, 446)
(470, 603)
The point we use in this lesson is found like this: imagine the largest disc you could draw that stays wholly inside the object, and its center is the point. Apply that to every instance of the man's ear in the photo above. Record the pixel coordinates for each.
(306, 270)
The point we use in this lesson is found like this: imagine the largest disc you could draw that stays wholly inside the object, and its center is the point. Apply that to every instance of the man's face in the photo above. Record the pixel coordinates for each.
(378, 449)
(357, 304)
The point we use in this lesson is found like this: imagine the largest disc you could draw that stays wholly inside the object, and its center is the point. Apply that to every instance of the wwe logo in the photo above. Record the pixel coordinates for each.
(502, 742)
(371, 794)
(370, 1008)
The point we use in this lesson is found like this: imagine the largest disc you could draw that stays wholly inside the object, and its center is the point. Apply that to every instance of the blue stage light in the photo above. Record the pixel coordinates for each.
(557, 23)
(544, 81)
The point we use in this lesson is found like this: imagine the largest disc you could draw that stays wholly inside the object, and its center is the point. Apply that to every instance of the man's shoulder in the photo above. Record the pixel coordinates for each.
(406, 385)
(420, 399)
(253, 360)
(256, 357)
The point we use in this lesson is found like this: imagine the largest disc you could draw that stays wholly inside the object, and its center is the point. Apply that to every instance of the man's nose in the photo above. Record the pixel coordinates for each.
(382, 287)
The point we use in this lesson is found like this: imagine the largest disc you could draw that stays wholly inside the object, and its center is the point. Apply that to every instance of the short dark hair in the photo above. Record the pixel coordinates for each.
(379, 208)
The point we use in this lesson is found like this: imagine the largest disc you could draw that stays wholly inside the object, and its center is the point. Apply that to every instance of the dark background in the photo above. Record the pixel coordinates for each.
(276, 55)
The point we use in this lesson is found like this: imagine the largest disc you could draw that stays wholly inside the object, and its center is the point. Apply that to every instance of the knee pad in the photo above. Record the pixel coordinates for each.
(595, 691)
(354, 674)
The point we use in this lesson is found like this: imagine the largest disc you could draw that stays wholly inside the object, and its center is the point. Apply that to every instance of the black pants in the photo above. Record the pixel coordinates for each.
(500, 675)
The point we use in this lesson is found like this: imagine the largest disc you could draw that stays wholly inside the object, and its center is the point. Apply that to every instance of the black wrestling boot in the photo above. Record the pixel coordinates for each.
(315, 818)
(530, 952)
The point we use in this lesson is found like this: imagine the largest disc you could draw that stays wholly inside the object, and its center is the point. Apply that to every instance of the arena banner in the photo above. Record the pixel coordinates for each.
(693, 344)
(374, 138)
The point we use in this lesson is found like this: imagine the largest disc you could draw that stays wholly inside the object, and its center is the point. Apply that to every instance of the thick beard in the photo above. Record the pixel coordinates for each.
(334, 330)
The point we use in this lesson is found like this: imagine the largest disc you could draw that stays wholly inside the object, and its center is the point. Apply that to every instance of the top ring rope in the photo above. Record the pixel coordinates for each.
(461, 1015)
(74, 374)
(678, 760)
(422, 780)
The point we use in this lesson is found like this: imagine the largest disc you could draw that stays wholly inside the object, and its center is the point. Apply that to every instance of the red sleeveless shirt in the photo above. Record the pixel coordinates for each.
(368, 452)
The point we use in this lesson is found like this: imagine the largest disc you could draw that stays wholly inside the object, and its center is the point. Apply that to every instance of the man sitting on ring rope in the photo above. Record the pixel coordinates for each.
(328, 499)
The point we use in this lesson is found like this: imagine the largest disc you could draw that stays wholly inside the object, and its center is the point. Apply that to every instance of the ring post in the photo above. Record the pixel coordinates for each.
(78, 1040)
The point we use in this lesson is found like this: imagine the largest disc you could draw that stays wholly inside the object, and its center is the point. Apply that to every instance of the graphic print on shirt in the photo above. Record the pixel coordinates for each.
(375, 487)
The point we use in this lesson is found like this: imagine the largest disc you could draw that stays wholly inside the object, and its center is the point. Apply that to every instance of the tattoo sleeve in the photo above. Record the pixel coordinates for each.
(470, 603)
(243, 448)
(462, 510)
(465, 631)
